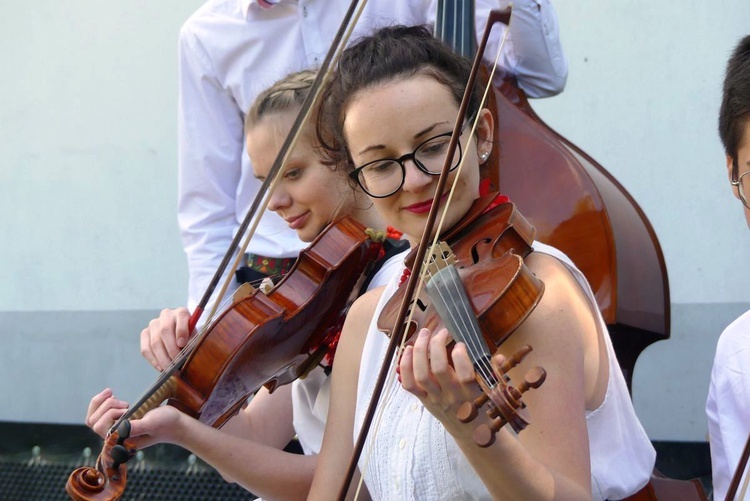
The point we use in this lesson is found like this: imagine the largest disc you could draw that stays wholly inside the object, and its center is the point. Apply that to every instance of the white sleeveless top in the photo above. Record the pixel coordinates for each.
(413, 457)
(310, 396)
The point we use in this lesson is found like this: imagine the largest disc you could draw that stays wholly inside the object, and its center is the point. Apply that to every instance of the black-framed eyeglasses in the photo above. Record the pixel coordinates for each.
(384, 177)
(742, 183)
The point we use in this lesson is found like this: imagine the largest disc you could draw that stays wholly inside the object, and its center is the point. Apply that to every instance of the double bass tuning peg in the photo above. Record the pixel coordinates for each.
(504, 404)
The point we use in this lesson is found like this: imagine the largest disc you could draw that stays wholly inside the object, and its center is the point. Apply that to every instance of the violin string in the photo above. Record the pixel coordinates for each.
(460, 314)
(473, 338)
(472, 131)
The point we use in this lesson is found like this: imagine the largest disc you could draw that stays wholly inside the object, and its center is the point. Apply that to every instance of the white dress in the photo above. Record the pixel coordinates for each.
(413, 457)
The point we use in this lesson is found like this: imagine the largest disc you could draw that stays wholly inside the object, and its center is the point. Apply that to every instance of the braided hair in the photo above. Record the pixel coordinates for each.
(284, 95)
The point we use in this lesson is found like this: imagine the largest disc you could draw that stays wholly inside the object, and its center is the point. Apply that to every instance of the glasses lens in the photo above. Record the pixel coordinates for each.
(431, 154)
(744, 188)
(381, 178)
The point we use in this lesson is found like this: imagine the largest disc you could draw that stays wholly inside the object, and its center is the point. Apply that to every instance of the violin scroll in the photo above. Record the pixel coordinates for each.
(106, 481)
(503, 400)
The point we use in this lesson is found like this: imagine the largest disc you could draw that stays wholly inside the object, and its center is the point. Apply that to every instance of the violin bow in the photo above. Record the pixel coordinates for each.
(415, 278)
(261, 200)
(259, 203)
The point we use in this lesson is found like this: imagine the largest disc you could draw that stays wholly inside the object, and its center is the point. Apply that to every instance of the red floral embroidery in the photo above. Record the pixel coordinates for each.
(331, 339)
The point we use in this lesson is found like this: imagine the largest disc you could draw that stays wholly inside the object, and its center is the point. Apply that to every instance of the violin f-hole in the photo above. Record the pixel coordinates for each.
(475, 251)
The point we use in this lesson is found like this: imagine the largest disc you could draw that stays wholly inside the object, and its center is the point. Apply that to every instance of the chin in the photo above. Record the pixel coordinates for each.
(305, 236)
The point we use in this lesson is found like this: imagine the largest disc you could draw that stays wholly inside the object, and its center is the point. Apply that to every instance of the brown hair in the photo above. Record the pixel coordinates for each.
(284, 95)
(390, 53)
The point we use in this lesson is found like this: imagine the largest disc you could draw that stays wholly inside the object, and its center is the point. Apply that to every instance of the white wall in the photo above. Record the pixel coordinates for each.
(90, 247)
(642, 98)
(88, 155)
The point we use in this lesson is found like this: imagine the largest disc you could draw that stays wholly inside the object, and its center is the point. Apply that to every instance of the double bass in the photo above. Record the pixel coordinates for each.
(575, 204)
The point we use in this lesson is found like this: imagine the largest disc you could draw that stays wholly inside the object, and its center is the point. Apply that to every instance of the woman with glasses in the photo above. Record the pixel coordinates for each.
(388, 114)
(728, 404)
(248, 450)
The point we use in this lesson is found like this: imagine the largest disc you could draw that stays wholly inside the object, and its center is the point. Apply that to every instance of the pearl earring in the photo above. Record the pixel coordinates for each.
(484, 156)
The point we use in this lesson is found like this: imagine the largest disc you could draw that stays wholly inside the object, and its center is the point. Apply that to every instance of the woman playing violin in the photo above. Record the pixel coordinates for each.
(248, 449)
(388, 114)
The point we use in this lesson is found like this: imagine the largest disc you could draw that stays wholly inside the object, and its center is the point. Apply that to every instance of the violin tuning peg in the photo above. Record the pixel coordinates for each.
(484, 434)
(123, 431)
(503, 364)
(120, 455)
(468, 411)
(533, 379)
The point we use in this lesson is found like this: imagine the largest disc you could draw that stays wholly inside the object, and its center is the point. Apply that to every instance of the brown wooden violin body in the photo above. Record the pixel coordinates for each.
(274, 338)
(489, 247)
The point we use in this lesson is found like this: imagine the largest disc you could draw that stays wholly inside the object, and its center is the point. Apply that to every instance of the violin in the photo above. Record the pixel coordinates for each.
(291, 326)
(479, 287)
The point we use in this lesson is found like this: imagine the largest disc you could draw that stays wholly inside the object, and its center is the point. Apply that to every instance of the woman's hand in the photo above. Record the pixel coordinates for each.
(165, 336)
(427, 373)
(104, 410)
(157, 426)
(160, 425)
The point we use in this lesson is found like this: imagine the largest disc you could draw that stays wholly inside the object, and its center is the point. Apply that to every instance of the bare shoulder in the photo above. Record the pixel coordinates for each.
(564, 318)
(561, 289)
(363, 309)
(355, 329)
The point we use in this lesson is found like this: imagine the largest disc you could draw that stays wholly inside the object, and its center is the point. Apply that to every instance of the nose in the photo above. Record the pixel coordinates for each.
(279, 200)
(415, 180)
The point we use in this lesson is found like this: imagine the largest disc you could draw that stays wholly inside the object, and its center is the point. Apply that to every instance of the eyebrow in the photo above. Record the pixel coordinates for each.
(418, 135)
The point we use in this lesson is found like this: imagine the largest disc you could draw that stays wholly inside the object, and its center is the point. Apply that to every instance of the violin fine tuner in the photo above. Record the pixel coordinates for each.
(503, 400)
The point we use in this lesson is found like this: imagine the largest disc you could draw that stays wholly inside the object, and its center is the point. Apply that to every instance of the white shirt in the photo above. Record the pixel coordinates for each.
(414, 457)
(231, 50)
(728, 404)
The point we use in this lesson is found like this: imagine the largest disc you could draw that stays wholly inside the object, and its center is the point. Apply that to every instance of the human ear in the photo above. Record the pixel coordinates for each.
(484, 133)
(730, 167)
